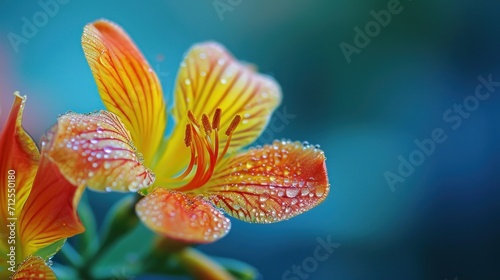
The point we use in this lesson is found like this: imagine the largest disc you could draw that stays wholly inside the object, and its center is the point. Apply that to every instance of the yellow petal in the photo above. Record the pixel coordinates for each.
(96, 150)
(270, 184)
(34, 268)
(49, 213)
(19, 158)
(210, 78)
(182, 217)
(127, 84)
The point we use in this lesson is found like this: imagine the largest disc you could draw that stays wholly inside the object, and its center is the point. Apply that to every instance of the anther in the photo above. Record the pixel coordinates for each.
(233, 125)
(192, 118)
(188, 137)
(216, 119)
(206, 124)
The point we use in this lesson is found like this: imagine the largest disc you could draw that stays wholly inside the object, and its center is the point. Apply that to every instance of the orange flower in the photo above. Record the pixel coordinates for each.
(221, 105)
(38, 206)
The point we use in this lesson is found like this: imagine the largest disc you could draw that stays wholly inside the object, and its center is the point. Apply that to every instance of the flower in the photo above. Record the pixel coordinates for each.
(38, 206)
(220, 106)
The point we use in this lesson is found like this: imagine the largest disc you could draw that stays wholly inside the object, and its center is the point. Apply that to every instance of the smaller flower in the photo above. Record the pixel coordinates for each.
(37, 203)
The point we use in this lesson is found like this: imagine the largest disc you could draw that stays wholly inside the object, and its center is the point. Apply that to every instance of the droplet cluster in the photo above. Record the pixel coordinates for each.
(272, 183)
(96, 150)
(33, 267)
(182, 216)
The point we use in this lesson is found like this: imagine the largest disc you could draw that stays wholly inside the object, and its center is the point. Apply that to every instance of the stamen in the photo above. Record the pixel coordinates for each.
(192, 118)
(206, 124)
(233, 125)
(216, 119)
(205, 149)
(188, 138)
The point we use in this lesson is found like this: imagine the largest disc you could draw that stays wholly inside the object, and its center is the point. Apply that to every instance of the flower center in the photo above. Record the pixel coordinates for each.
(203, 140)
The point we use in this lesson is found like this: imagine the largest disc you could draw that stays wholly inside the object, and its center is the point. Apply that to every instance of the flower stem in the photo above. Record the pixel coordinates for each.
(201, 266)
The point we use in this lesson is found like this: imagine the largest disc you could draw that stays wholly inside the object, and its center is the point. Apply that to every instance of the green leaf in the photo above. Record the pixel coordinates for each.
(87, 243)
(120, 220)
(125, 256)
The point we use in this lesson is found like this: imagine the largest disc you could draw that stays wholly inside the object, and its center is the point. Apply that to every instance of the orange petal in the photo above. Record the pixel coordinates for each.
(270, 184)
(19, 158)
(49, 213)
(34, 268)
(211, 78)
(127, 84)
(183, 217)
(96, 150)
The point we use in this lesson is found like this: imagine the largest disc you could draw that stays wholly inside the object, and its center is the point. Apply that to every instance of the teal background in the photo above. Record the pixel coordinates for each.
(442, 222)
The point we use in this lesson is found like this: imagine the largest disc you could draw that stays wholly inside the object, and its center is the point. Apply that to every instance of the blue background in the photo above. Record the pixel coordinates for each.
(442, 222)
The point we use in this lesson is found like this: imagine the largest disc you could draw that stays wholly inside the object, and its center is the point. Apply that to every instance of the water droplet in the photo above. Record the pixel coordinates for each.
(264, 197)
(304, 191)
(292, 192)
(319, 192)
(104, 59)
(241, 213)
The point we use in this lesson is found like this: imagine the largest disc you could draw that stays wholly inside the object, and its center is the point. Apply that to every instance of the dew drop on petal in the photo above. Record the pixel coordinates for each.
(304, 191)
(319, 192)
(292, 192)
(263, 197)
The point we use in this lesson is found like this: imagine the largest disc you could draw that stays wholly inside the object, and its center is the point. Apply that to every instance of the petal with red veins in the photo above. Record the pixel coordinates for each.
(19, 158)
(50, 212)
(182, 216)
(270, 184)
(96, 150)
(127, 84)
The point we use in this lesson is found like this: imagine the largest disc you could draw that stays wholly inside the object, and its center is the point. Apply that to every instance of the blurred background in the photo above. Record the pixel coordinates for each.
(364, 90)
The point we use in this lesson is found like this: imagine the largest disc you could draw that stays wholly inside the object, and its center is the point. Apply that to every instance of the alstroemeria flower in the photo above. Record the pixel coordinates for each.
(220, 106)
(38, 205)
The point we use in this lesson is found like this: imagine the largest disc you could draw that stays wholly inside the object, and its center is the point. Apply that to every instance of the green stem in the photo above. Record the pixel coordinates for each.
(201, 266)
